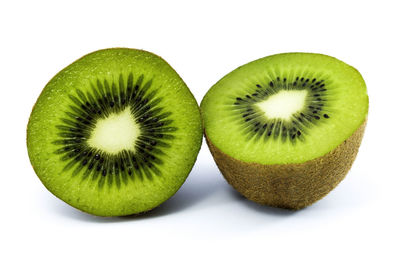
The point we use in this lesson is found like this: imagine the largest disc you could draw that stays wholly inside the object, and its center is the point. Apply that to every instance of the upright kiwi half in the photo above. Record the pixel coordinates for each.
(114, 133)
(285, 129)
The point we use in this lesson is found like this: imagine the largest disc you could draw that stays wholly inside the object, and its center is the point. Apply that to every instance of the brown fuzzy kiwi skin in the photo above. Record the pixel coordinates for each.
(290, 186)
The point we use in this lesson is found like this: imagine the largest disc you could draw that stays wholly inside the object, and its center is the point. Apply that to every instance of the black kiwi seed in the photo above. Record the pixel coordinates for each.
(300, 122)
(104, 99)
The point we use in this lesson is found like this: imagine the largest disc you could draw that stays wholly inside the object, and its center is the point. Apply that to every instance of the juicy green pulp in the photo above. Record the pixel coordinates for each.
(138, 195)
(347, 103)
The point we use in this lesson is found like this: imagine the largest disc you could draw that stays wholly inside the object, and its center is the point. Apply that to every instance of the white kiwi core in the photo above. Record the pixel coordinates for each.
(115, 133)
(283, 104)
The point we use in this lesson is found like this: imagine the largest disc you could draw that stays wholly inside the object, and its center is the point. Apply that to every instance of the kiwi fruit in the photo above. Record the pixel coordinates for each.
(115, 133)
(284, 130)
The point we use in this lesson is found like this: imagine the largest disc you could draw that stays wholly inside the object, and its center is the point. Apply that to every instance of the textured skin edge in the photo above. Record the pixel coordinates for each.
(291, 186)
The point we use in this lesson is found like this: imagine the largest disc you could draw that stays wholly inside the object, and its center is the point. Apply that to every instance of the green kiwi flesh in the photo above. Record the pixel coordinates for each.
(115, 133)
(284, 130)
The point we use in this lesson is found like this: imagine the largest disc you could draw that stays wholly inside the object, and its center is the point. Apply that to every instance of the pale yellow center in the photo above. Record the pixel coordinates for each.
(283, 104)
(115, 133)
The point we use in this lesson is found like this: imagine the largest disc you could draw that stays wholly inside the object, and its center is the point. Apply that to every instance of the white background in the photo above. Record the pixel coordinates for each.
(203, 40)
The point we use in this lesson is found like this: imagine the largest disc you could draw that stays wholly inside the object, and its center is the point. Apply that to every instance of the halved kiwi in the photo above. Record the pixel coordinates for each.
(114, 133)
(285, 129)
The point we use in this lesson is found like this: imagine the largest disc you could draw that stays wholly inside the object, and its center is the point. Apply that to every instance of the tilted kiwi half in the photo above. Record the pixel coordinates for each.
(115, 133)
(285, 129)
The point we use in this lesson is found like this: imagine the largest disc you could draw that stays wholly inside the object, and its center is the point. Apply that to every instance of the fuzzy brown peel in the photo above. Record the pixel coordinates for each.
(292, 186)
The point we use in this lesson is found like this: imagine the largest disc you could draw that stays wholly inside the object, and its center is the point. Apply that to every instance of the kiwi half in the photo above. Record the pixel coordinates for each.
(114, 133)
(284, 130)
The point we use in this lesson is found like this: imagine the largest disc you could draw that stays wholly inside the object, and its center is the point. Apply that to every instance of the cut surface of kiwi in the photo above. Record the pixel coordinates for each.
(114, 133)
(286, 112)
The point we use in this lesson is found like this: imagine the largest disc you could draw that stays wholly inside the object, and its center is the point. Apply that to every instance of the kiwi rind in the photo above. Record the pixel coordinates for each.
(290, 186)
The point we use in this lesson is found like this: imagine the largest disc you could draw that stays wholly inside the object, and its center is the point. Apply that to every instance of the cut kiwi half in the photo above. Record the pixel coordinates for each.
(284, 130)
(114, 133)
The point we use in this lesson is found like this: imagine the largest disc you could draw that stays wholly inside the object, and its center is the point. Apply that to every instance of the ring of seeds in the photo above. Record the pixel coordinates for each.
(104, 99)
(256, 123)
